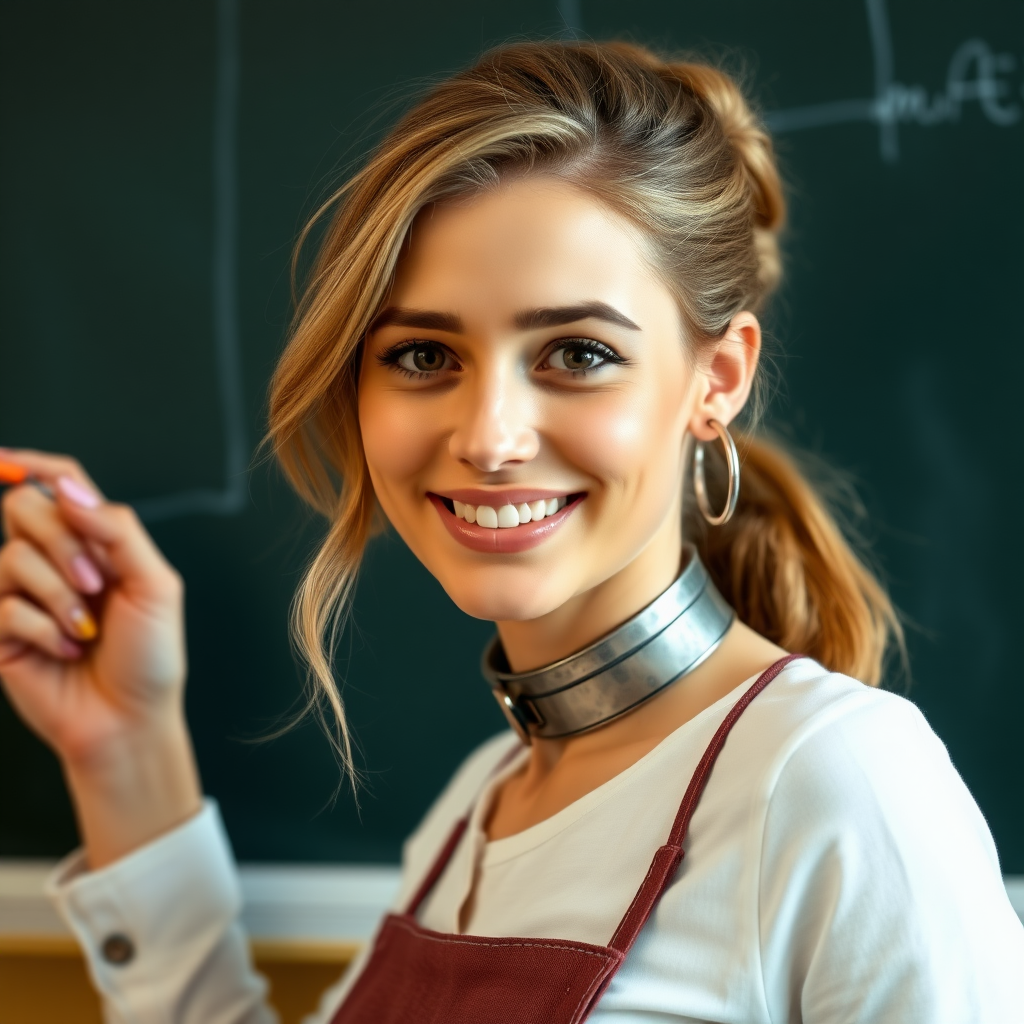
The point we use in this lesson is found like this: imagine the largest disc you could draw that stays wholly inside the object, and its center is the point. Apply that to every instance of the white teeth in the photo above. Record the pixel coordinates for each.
(508, 517)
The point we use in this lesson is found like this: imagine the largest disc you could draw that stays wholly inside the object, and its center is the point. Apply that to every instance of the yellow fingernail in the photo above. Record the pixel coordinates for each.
(85, 624)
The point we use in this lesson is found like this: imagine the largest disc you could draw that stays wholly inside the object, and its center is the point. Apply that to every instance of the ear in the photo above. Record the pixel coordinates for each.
(726, 379)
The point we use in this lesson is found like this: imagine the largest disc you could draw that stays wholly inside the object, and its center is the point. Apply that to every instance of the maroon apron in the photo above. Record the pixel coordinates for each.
(426, 977)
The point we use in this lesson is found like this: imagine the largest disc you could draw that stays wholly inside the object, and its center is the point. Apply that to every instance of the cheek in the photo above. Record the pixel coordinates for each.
(627, 438)
(397, 440)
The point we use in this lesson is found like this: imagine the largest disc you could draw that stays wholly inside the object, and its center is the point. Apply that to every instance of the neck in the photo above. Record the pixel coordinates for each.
(560, 771)
(590, 615)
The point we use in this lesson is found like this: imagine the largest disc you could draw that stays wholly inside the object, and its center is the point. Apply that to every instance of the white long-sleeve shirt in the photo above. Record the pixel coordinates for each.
(836, 869)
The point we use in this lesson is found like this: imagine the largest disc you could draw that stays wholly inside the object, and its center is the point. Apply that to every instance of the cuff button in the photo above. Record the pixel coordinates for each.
(118, 949)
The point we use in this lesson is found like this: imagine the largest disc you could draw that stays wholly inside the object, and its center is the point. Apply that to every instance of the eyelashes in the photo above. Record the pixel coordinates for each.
(424, 359)
(418, 360)
(581, 356)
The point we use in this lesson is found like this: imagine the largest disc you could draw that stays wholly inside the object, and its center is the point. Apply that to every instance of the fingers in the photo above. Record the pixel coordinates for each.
(100, 531)
(21, 622)
(31, 516)
(25, 571)
(131, 553)
(47, 467)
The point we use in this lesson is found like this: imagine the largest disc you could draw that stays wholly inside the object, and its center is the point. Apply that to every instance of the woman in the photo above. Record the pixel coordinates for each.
(530, 313)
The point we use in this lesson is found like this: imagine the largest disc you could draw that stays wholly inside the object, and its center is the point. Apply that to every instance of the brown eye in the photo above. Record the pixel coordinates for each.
(578, 358)
(423, 359)
(427, 359)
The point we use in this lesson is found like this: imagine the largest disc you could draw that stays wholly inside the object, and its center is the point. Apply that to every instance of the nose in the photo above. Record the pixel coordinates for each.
(495, 427)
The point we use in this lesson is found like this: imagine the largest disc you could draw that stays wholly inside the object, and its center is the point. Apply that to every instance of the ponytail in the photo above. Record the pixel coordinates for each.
(782, 561)
(784, 565)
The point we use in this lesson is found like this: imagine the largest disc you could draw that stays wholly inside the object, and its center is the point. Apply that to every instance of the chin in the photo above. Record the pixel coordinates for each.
(504, 597)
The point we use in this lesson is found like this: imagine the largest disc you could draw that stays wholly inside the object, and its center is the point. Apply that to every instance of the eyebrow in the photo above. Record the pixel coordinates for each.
(558, 316)
(425, 319)
(525, 320)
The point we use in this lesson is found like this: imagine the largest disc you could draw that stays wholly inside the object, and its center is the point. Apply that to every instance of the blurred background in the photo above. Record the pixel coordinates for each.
(158, 162)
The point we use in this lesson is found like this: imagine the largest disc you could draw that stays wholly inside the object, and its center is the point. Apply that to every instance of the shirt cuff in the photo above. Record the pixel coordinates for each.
(168, 902)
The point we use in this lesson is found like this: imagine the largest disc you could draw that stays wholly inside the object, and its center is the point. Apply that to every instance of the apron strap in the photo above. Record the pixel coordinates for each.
(448, 850)
(666, 860)
(440, 864)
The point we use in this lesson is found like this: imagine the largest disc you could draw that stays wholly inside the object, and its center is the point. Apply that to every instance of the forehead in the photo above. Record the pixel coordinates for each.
(533, 242)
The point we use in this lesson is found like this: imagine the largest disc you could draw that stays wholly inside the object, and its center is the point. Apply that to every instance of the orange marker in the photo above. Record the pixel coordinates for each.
(12, 474)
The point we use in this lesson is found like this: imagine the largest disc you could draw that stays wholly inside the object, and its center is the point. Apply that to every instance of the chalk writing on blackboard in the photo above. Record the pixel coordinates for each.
(975, 74)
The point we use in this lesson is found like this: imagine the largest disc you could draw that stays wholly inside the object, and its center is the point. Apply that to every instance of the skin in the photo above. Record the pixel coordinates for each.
(111, 708)
(502, 411)
(95, 661)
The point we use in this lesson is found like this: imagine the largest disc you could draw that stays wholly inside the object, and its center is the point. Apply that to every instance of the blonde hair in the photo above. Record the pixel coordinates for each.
(674, 147)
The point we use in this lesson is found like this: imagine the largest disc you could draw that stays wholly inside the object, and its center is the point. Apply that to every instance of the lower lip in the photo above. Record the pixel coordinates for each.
(502, 541)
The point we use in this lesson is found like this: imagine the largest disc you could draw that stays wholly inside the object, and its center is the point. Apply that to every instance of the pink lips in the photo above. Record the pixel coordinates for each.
(501, 542)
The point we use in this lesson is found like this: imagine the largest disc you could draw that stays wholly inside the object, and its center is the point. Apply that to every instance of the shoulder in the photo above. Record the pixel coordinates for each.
(875, 862)
(822, 766)
(845, 746)
(806, 697)
(824, 727)
(843, 755)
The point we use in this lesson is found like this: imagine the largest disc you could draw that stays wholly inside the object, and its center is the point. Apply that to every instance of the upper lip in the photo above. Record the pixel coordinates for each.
(505, 496)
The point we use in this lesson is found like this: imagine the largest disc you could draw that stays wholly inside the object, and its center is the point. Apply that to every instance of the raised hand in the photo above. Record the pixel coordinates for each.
(92, 653)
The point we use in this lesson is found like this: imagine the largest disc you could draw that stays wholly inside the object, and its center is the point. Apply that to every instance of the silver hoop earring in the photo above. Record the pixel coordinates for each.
(700, 486)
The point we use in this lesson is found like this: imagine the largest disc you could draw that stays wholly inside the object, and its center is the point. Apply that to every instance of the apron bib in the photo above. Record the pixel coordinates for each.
(426, 977)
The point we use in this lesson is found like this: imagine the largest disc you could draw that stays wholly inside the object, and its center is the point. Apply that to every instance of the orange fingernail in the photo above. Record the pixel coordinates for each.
(12, 474)
(84, 623)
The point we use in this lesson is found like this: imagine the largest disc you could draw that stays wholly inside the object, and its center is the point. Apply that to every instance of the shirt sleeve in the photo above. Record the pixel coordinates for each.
(881, 898)
(160, 930)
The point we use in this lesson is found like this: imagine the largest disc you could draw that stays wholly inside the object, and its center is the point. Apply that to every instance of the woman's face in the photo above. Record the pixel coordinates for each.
(529, 366)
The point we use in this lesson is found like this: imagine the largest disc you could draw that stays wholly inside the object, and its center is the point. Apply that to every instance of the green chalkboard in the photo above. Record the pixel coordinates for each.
(158, 161)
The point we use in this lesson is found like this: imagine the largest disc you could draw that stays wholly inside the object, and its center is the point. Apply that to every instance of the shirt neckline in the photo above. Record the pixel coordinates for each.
(500, 850)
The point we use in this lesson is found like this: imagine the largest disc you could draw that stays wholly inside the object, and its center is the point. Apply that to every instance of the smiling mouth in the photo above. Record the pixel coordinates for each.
(507, 517)
(505, 527)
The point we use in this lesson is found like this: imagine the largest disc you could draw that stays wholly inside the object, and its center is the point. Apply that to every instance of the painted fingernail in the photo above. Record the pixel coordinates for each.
(84, 623)
(78, 493)
(68, 648)
(87, 576)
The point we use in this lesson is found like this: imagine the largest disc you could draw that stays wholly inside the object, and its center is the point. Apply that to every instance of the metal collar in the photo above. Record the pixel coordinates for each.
(666, 640)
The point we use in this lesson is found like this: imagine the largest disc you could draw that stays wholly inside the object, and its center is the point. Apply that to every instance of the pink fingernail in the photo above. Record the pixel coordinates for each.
(87, 576)
(78, 493)
(68, 648)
